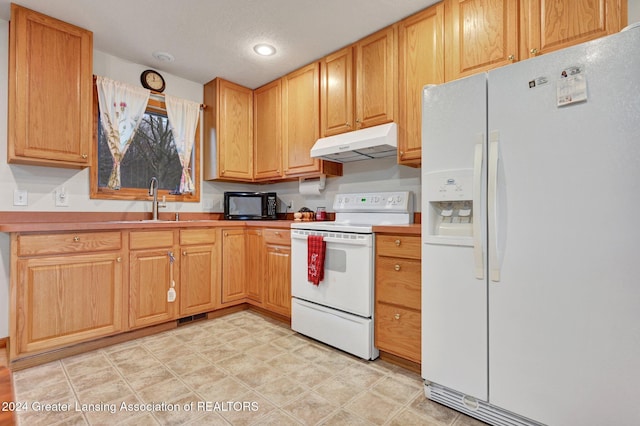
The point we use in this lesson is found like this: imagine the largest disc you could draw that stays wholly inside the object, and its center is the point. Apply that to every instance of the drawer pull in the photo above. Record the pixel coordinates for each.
(398, 243)
(396, 316)
(118, 259)
(76, 238)
(277, 233)
(397, 267)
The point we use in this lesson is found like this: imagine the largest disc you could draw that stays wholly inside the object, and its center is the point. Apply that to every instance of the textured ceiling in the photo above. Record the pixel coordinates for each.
(214, 38)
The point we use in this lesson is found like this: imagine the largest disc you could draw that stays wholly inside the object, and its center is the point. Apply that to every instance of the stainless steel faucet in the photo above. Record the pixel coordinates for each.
(153, 191)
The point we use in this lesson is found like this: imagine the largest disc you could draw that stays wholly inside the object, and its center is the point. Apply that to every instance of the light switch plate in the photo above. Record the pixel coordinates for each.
(20, 197)
(62, 198)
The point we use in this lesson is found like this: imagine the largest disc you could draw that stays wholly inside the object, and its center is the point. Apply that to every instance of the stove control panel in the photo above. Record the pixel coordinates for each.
(398, 201)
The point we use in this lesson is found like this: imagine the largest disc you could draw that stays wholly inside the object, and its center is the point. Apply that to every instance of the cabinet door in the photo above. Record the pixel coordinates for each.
(267, 146)
(481, 35)
(236, 131)
(336, 96)
(50, 91)
(67, 299)
(233, 265)
(278, 279)
(255, 265)
(376, 79)
(301, 119)
(397, 331)
(151, 277)
(199, 279)
(553, 25)
(421, 62)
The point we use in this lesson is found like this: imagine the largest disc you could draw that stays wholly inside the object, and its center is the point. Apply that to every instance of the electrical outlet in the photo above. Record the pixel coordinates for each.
(290, 205)
(20, 197)
(62, 197)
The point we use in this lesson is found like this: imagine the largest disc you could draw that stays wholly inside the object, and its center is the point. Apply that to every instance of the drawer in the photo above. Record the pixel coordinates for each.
(69, 242)
(397, 331)
(150, 239)
(398, 246)
(198, 236)
(277, 236)
(398, 281)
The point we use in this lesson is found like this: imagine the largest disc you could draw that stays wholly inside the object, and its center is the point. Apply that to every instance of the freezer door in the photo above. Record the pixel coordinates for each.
(564, 317)
(454, 288)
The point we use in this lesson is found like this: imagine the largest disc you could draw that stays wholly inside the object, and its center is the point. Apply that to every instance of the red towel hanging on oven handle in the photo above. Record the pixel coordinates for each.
(316, 247)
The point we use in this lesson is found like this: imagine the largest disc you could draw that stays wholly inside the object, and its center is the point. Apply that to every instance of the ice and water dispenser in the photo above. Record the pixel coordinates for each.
(449, 196)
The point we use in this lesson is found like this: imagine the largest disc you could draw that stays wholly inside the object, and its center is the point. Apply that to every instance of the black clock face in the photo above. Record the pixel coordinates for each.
(152, 80)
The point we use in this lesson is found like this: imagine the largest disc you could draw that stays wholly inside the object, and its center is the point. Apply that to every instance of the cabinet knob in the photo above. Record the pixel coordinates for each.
(184, 253)
(84, 156)
(398, 243)
(76, 238)
(534, 51)
(512, 57)
(226, 234)
(397, 267)
(277, 233)
(118, 259)
(396, 316)
(401, 153)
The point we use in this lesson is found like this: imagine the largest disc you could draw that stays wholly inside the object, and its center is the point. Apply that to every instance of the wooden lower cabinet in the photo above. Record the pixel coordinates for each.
(255, 254)
(233, 265)
(199, 271)
(398, 296)
(70, 295)
(150, 279)
(277, 284)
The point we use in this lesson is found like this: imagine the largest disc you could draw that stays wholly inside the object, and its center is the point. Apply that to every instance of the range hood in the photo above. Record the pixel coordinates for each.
(373, 142)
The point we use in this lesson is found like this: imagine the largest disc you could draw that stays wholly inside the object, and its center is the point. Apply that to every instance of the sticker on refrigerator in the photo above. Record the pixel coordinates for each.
(572, 86)
(538, 82)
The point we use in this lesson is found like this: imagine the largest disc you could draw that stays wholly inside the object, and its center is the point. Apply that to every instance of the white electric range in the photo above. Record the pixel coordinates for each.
(339, 311)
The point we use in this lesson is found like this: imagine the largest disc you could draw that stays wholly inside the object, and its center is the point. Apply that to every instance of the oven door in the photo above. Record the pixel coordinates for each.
(348, 271)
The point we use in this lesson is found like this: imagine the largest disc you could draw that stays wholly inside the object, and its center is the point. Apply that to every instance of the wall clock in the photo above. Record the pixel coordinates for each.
(152, 80)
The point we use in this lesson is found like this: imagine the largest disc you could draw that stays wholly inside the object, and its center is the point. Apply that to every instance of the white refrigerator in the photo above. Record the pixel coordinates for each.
(531, 239)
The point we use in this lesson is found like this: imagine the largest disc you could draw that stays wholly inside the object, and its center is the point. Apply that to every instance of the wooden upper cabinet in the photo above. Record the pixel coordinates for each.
(337, 89)
(421, 62)
(552, 25)
(228, 137)
(301, 119)
(481, 35)
(50, 91)
(376, 80)
(267, 145)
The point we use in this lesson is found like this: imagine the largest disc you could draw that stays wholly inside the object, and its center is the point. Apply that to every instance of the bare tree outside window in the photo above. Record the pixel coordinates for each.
(151, 153)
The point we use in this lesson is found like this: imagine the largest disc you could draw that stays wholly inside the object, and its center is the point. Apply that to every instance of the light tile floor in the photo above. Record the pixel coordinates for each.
(241, 369)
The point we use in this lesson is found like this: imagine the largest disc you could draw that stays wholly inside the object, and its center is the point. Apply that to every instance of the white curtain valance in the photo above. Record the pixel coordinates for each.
(121, 109)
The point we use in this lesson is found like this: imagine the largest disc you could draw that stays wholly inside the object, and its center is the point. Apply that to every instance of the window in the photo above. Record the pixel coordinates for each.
(151, 153)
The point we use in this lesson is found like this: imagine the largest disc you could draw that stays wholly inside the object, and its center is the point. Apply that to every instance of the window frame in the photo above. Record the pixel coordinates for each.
(156, 104)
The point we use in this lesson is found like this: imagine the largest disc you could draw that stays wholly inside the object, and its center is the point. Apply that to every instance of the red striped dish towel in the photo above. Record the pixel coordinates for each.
(315, 258)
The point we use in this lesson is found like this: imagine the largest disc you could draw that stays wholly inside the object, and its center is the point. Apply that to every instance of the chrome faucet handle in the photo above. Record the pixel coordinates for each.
(163, 203)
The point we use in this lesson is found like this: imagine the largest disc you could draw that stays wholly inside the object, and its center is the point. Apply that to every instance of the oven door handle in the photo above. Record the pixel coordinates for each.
(358, 241)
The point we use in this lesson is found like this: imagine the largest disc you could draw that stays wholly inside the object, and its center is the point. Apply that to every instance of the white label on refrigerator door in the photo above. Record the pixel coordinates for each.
(572, 86)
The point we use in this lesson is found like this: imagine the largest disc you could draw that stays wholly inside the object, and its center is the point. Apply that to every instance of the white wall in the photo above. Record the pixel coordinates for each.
(634, 11)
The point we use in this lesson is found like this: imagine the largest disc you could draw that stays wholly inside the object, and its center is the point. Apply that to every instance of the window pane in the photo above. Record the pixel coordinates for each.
(152, 153)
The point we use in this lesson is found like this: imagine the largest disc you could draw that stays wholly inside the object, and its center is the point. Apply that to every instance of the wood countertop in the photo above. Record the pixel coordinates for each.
(86, 221)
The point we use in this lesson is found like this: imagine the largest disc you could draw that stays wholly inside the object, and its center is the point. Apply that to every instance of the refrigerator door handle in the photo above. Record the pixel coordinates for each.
(478, 253)
(492, 207)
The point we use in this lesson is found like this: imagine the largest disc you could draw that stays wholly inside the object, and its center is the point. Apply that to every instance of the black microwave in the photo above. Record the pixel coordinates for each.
(250, 205)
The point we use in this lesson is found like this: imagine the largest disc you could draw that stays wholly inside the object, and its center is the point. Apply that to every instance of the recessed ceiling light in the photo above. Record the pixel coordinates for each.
(163, 56)
(264, 49)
